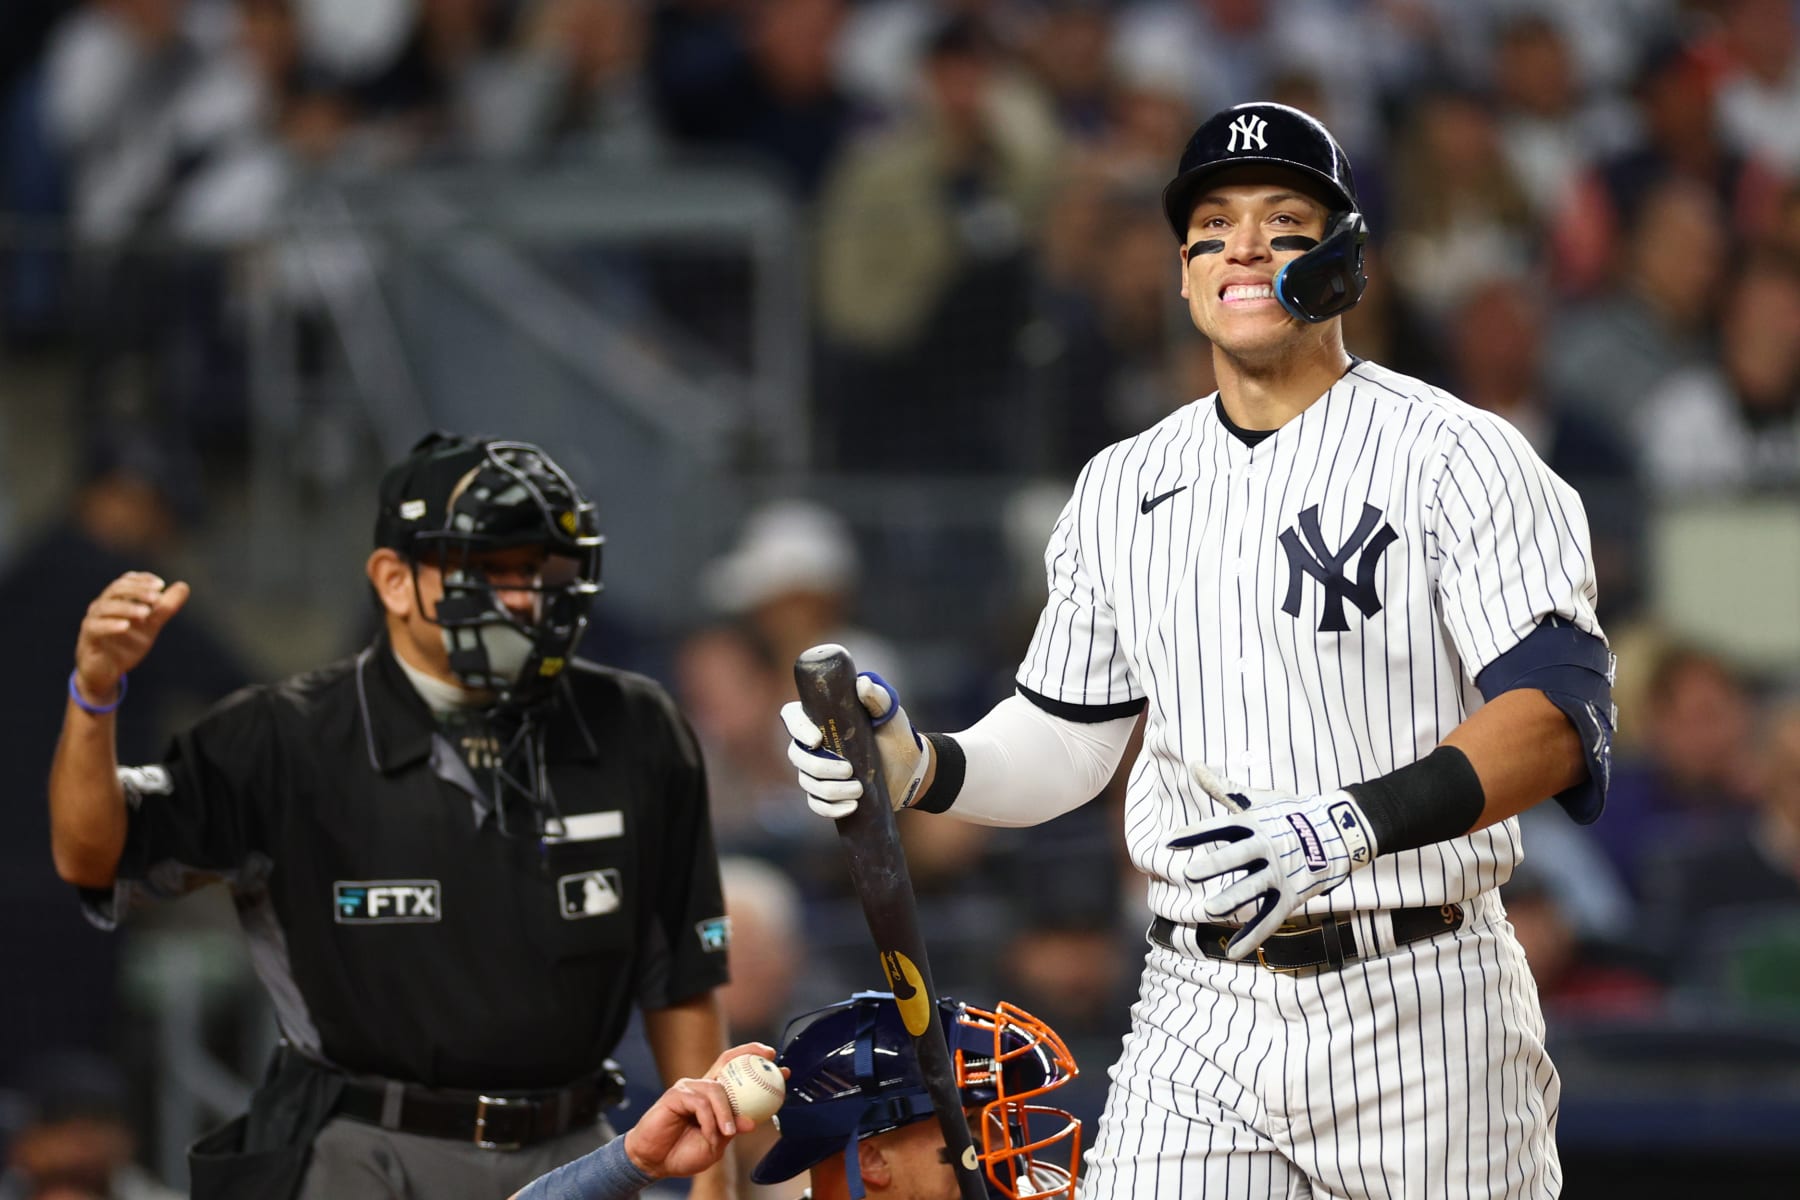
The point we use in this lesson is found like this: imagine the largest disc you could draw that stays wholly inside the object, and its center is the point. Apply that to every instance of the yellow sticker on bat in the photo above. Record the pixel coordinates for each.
(909, 991)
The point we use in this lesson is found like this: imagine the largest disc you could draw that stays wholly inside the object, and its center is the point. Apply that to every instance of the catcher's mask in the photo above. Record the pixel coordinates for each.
(855, 1075)
(1328, 279)
(458, 503)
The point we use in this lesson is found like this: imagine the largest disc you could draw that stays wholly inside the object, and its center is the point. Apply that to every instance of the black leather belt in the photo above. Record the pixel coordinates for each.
(492, 1121)
(1331, 943)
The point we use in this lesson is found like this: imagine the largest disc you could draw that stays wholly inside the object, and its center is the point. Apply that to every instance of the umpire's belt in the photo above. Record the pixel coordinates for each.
(1331, 943)
(491, 1120)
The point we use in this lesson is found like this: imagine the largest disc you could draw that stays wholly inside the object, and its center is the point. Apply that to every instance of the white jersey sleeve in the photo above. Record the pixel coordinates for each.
(1076, 666)
(1514, 543)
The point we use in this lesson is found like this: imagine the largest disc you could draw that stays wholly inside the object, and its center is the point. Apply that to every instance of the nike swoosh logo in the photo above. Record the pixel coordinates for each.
(1149, 502)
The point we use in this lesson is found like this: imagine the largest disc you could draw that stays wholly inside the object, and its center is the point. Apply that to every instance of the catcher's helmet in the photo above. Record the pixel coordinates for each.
(454, 498)
(1328, 279)
(855, 1075)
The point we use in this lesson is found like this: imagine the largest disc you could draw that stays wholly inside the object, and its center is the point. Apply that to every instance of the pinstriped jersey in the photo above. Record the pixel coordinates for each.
(1308, 612)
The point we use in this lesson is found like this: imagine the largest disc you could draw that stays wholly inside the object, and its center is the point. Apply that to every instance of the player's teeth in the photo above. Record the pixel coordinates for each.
(1249, 292)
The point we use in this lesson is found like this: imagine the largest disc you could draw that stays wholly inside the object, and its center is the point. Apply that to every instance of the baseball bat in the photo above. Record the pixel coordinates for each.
(826, 677)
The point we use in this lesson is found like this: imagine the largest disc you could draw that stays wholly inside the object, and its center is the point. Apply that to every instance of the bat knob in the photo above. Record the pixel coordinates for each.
(822, 654)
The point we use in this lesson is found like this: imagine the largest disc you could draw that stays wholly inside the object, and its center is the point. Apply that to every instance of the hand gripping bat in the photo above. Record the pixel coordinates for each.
(826, 677)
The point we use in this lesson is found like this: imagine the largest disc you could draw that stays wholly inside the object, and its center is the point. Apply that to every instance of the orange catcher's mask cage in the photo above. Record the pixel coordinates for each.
(1028, 1151)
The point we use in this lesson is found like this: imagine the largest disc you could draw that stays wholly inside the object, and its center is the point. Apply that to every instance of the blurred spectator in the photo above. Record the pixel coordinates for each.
(125, 516)
(1551, 134)
(76, 1142)
(1745, 866)
(757, 77)
(792, 579)
(1734, 425)
(1101, 348)
(1676, 94)
(883, 43)
(728, 682)
(923, 265)
(1460, 214)
(151, 102)
(1149, 123)
(1497, 340)
(576, 78)
(165, 113)
(1576, 976)
(1564, 859)
(1698, 772)
(773, 976)
(1217, 53)
(768, 939)
(380, 77)
(1067, 46)
(1606, 357)
(1759, 98)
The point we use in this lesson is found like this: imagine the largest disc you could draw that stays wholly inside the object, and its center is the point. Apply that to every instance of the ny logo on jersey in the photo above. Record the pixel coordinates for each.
(1250, 128)
(1327, 566)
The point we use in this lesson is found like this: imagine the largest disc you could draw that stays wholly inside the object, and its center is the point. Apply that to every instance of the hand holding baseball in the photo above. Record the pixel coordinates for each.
(754, 1085)
(687, 1130)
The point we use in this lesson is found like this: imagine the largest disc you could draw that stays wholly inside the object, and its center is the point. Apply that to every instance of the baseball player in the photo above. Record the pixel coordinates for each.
(858, 1120)
(857, 1116)
(1358, 617)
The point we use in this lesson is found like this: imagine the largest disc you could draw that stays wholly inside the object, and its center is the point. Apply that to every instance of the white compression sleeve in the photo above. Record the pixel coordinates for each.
(1026, 766)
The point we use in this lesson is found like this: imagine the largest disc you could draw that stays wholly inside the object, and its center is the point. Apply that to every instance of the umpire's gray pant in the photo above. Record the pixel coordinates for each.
(354, 1160)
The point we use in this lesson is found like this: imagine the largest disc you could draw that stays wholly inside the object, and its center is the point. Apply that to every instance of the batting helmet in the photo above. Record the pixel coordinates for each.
(455, 498)
(1328, 279)
(855, 1075)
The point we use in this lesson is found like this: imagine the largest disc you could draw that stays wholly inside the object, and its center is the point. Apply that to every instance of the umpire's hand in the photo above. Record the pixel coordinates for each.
(826, 778)
(120, 627)
(1288, 849)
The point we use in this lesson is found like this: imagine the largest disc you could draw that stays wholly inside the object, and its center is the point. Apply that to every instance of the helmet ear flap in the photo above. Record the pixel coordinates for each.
(1329, 279)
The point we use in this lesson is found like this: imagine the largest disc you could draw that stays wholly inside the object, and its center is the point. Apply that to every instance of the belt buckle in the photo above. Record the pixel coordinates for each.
(1262, 961)
(482, 1104)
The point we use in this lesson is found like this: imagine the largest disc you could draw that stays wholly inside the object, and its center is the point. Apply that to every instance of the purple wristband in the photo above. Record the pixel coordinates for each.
(95, 710)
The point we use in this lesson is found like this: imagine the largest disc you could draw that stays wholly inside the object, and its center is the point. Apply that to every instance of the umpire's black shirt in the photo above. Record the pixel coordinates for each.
(399, 931)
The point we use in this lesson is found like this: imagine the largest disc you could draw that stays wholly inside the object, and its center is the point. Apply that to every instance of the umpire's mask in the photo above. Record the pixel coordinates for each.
(462, 503)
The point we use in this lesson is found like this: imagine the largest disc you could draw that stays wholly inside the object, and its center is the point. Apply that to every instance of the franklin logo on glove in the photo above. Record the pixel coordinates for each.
(1309, 841)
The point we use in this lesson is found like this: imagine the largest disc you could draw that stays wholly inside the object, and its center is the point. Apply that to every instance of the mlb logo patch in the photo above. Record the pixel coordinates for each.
(387, 901)
(589, 893)
(715, 933)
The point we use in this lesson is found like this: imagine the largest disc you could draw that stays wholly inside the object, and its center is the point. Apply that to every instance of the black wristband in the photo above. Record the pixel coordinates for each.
(1433, 800)
(948, 779)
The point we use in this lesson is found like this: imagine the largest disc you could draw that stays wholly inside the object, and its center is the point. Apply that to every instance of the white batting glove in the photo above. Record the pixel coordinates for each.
(1232, 795)
(1290, 849)
(826, 778)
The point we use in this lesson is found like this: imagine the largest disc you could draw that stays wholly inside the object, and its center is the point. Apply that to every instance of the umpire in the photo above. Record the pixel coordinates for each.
(460, 856)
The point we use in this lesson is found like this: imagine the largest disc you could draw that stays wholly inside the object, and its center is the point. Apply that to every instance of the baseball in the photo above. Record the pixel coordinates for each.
(753, 1085)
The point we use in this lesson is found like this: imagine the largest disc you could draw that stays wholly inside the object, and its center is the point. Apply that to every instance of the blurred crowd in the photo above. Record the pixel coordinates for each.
(1585, 216)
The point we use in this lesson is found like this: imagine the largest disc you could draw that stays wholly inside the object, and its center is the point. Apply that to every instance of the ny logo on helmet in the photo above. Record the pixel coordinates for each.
(1251, 127)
